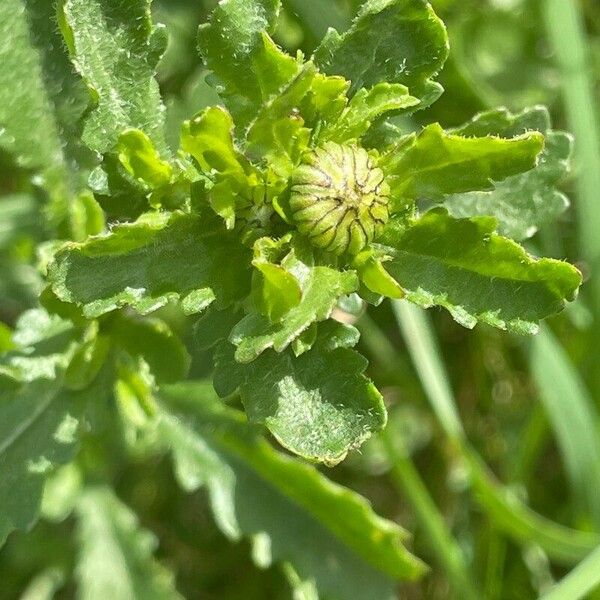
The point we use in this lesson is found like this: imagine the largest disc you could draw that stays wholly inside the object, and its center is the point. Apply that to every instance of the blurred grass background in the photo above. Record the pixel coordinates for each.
(492, 455)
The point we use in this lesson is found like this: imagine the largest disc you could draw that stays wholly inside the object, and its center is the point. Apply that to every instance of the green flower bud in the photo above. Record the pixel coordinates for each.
(339, 199)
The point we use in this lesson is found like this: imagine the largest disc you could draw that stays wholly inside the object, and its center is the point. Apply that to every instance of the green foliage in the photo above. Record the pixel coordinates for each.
(116, 553)
(139, 277)
(115, 47)
(477, 275)
(258, 492)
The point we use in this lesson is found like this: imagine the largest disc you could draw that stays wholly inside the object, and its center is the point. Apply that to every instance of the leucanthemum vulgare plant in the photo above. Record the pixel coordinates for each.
(307, 192)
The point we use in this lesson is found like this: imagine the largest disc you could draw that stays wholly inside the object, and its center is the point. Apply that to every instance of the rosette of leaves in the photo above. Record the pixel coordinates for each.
(307, 185)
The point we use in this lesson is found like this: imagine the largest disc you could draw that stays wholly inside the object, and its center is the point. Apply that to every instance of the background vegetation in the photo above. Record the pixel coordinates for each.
(492, 455)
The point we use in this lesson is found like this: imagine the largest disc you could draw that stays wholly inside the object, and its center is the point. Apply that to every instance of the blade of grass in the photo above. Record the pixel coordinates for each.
(566, 33)
(573, 418)
(448, 553)
(581, 581)
(501, 506)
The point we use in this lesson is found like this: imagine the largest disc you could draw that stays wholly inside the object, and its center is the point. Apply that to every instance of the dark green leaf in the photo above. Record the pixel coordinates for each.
(407, 43)
(319, 405)
(115, 554)
(237, 48)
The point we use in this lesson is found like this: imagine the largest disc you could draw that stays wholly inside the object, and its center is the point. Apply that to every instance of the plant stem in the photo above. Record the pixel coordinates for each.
(407, 480)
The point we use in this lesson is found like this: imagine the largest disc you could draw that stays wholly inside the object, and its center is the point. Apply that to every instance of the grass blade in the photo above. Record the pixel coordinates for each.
(502, 507)
(566, 34)
(573, 418)
(581, 581)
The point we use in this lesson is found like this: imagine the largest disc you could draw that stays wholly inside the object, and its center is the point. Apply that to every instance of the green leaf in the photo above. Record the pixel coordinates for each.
(367, 106)
(522, 203)
(319, 405)
(38, 426)
(41, 100)
(208, 137)
(580, 583)
(160, 257)
(434, 163)
(138, 155)
(406, 41)
(255, 490)
(237, 48)
(152, 339)
(115, 554)
(478, 276)
(275, 291)
(115, 47)
(321, 286)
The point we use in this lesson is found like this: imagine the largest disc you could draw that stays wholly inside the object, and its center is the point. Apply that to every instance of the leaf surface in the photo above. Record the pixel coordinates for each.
(477, 275)
(115, 557)
(319, 405)
(434, 163)
(521, 203)
(115, 47)
(406, 41)
(321, 286)
(255, 490)
(145, 264)
(237, 48)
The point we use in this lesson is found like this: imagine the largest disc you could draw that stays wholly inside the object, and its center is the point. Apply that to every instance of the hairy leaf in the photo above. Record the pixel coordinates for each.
(367, 106)
(477, 275)
(321, 286)
(237, 48)
(434, 163)
(255, 490)
(522, 203)
(115, 47)
(41, 100)
(145, 264)
(318, 405)
(394, 41)
(115, 554)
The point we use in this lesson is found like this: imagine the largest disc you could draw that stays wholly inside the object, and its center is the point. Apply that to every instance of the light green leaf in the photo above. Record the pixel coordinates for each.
(522, 203)
(434, 163)
(478, 276)
(237, 48)
(407, 43)
(319, 405)
(367, 106)
(141, 159)
(115, 47)
(115, 554)
(208, 137)
(321, 286)
(255, 490)
(275, 291)
(160, 257)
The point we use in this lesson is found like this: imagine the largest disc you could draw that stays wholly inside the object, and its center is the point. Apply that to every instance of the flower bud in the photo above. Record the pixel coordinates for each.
(339, 199)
